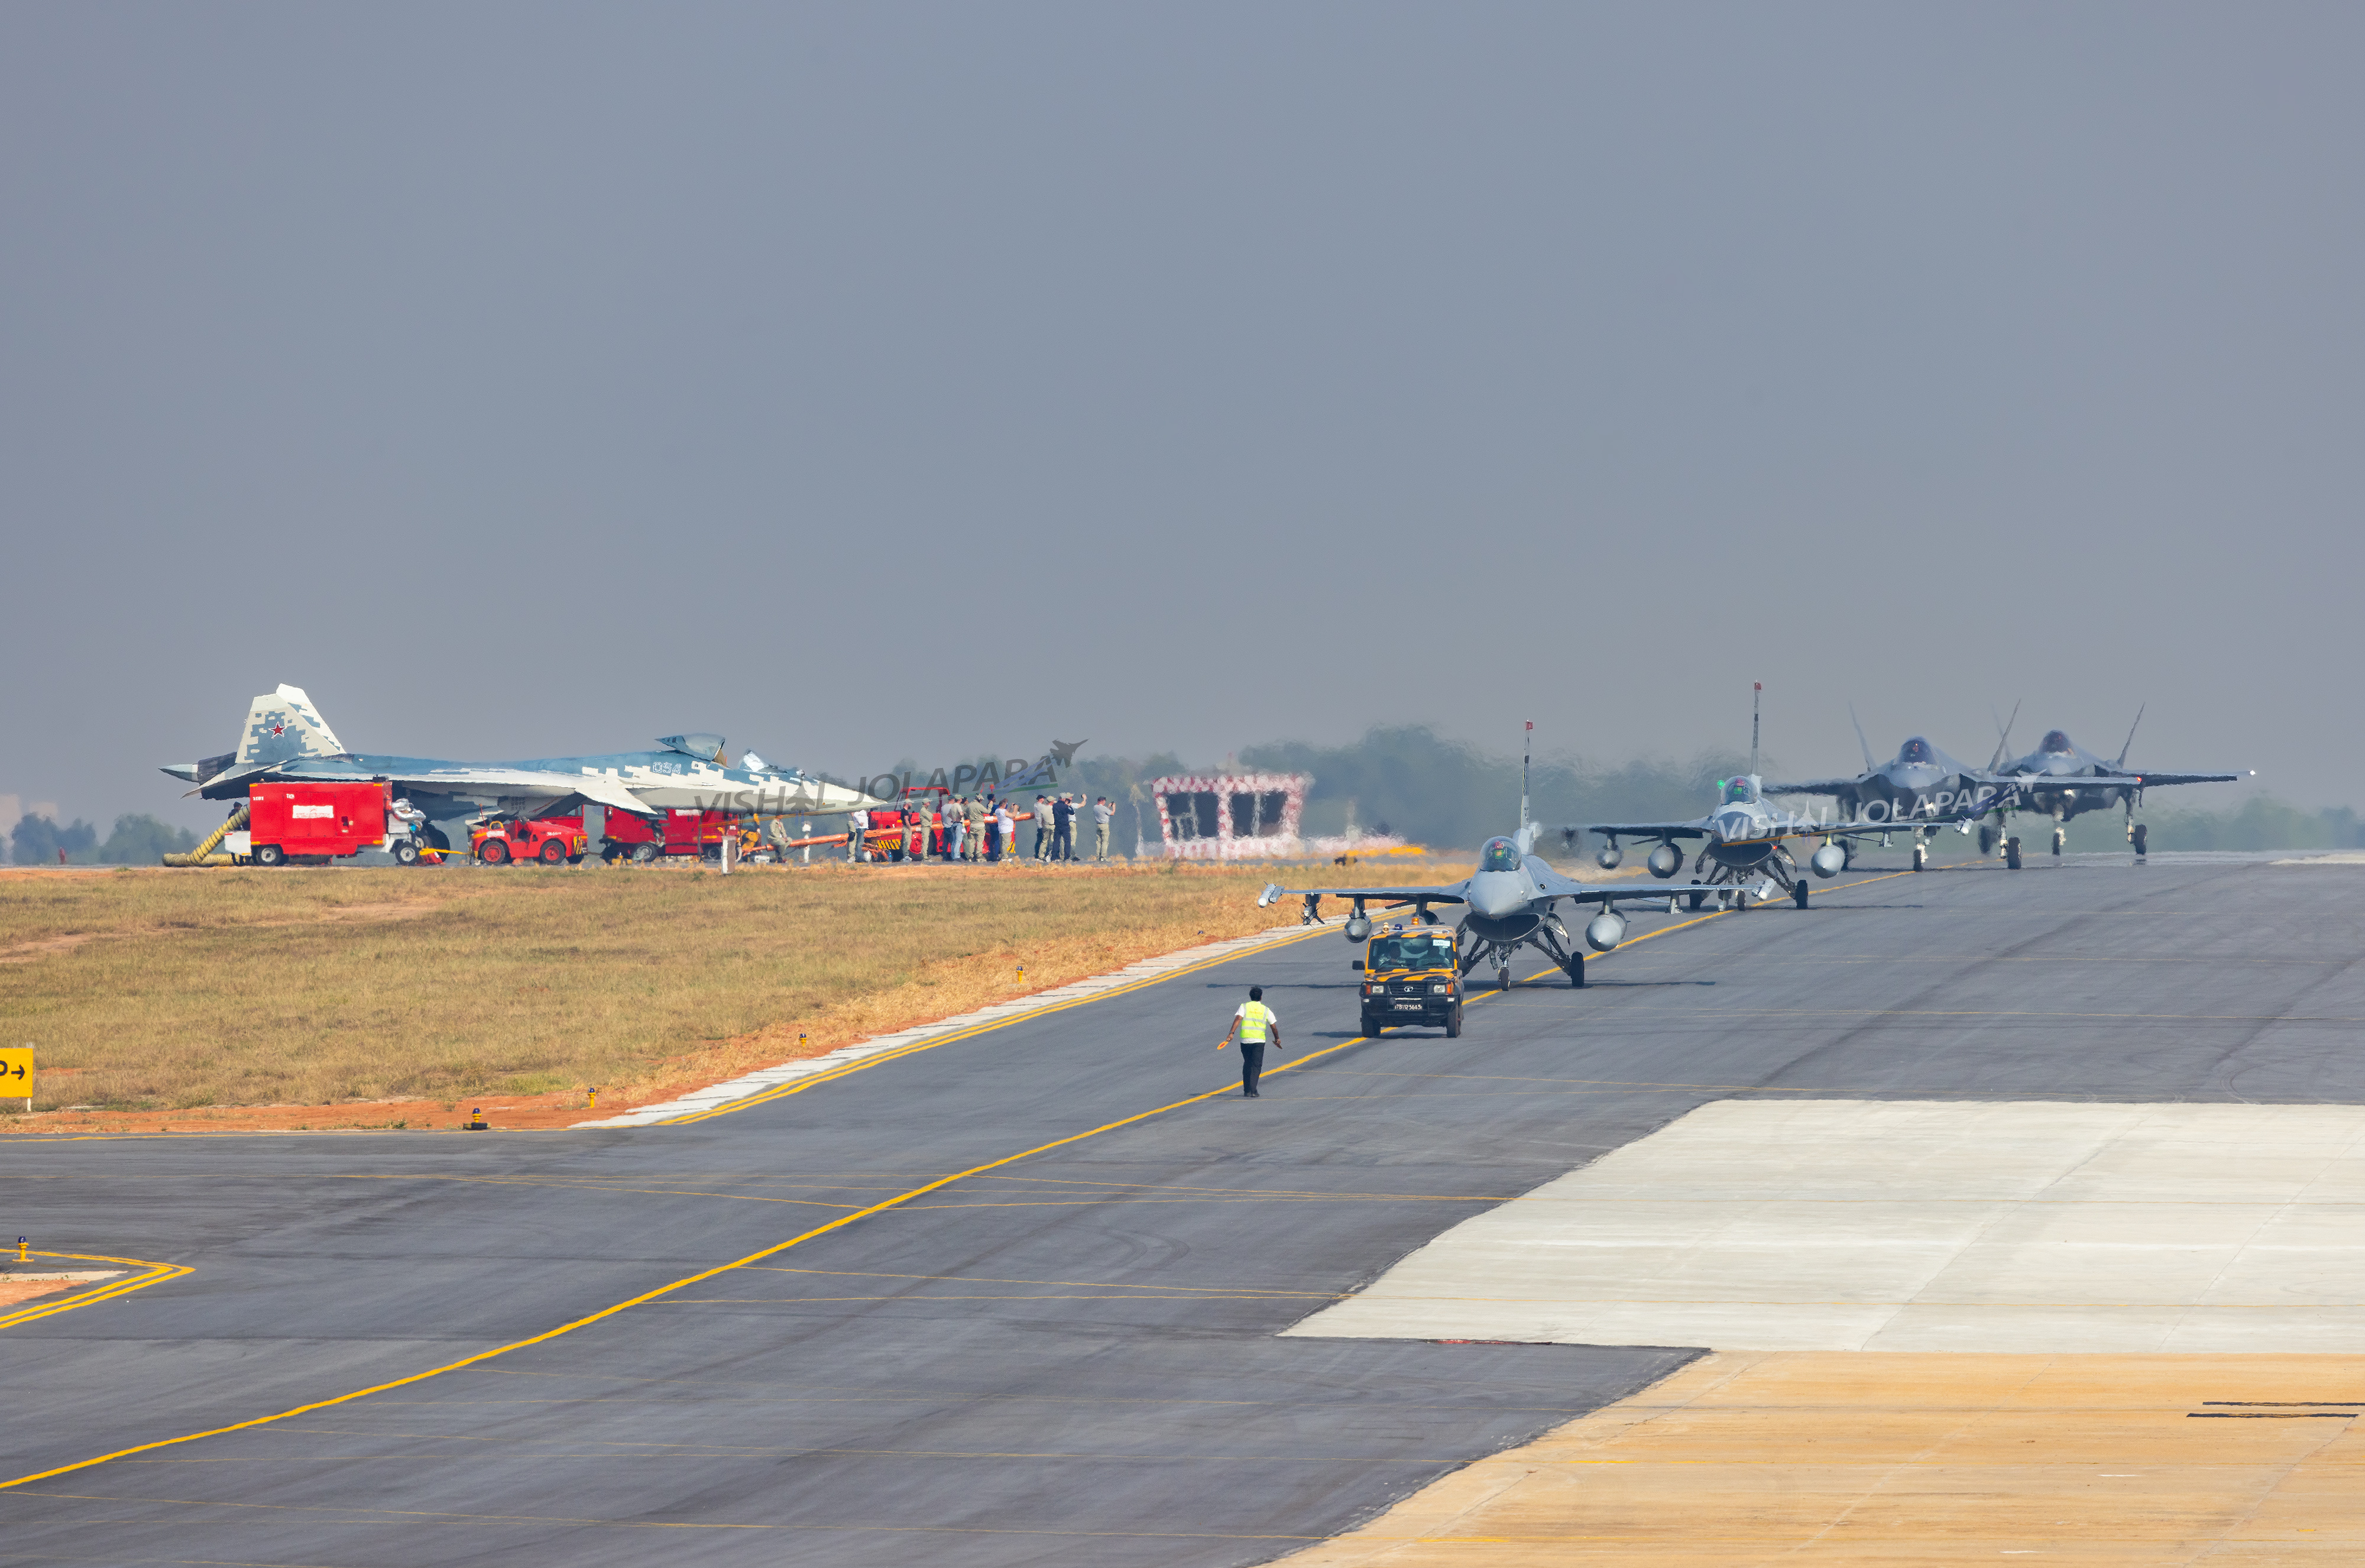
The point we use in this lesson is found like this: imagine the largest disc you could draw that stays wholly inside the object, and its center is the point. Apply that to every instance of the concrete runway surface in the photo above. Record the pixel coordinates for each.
(1077, 1356)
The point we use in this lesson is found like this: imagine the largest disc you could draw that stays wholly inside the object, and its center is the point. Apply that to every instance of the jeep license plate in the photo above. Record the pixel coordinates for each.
(1410, 1006)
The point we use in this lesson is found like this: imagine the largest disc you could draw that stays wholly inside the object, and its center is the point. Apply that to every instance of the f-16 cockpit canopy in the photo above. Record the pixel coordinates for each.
(1915, 750)
(1740, 792)
(1500, 854)
(2056, 743)
(706, 748)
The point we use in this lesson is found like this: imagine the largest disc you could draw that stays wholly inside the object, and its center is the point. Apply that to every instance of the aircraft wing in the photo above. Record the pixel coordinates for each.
(1696, 828)
(1552, 885)
(2148, 780)
(1446, 892)
(1813, 787)
(596, 787)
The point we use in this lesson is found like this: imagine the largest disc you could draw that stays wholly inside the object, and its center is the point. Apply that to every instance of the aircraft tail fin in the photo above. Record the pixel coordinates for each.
(1860, 741)
(2131, 736)
(283, 725)
(1527, 836)
(2004, 736)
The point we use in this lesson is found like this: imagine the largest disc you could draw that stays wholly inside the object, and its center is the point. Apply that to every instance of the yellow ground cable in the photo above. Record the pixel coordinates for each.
(196, 856)
(772, 1251)
(157, 1274)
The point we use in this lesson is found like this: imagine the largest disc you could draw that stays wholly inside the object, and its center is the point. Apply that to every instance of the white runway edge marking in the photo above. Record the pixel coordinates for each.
(1001, 1012)
(1840, 1224)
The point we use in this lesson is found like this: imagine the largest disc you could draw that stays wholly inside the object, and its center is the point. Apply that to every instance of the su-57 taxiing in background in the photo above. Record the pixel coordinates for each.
(286, 738)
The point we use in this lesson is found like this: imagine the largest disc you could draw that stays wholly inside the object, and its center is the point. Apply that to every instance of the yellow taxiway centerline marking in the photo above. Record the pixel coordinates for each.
(778, 1247)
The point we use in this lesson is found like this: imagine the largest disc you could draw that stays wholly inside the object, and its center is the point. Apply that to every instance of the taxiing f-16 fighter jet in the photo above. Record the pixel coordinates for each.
(1743, 836)
(287, 738)
(2062, 780)
(1510, 900)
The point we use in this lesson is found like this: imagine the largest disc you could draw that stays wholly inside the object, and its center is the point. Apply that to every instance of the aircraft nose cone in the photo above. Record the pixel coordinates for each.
(1497, 893)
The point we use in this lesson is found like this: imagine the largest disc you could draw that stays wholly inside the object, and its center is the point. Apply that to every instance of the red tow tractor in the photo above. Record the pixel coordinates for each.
(501, 839)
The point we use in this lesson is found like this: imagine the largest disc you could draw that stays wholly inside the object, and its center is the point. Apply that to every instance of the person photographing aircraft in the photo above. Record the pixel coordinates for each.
(1254, 1027)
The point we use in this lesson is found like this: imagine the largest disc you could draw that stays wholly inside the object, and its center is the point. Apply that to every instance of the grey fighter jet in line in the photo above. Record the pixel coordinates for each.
(1510, 900)
(286, 738)
(1744, 836)
(2061, 779)
(1920, 790)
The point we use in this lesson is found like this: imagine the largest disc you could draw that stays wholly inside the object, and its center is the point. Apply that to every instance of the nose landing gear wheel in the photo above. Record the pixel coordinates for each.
(1919, 855)
(1697, 900)
(2058, 835)
(1798, 893)
(2012, 853)
(1503, 978)
(2143, 840)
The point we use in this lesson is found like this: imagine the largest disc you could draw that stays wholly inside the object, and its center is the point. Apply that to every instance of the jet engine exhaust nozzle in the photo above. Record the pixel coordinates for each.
(1666, 861)
(1604, 932)
(1828, 861)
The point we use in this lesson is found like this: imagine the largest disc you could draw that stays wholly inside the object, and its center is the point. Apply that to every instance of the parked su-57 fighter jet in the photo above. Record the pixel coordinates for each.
(2062, 780)
(287, 738)
(1510, 900)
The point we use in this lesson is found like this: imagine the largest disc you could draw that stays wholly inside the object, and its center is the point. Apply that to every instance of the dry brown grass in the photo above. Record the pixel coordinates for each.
(153, 989)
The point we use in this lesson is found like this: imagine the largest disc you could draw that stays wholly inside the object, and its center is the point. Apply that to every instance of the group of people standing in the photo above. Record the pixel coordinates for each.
(982, 829)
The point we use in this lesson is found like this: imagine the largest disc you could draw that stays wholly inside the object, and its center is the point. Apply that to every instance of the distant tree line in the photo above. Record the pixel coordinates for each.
(138, 839)
(2260, 823)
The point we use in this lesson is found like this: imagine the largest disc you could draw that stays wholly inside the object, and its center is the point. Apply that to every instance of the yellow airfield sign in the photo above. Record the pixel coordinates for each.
(17, 1071)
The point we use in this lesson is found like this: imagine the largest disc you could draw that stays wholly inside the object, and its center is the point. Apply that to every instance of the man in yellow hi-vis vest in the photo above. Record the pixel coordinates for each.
(1254, 1025)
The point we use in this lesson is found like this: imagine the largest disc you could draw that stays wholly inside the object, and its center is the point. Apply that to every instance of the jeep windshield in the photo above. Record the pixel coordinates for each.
(1411, 953)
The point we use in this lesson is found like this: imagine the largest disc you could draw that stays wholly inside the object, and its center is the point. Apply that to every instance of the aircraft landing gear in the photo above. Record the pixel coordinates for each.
(1576, 970)
(1740, 900)
(1502, 977)
(1921, 854)
(2143, 838)
(1987, 839)
(1798, 893)
(2012, 853)
(2060, 837)
(1697, 900)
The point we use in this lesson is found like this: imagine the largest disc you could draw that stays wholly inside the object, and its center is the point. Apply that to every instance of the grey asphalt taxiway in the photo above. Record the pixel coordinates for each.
(1073, 1356)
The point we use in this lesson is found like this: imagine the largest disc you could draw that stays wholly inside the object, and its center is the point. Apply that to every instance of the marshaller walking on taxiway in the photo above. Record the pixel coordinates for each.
(1252, 1025)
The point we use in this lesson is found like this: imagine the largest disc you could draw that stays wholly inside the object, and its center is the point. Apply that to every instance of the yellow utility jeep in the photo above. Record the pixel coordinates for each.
(1412, 974)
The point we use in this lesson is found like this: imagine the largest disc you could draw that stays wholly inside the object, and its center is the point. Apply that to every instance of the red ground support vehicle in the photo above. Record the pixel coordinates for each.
(681, 830)
(312, 825)
(554, 841)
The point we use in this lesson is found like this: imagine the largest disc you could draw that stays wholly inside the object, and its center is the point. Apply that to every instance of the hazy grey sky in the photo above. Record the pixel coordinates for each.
(880, 381)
